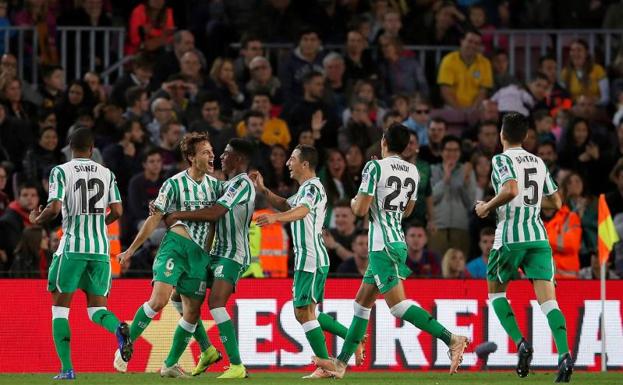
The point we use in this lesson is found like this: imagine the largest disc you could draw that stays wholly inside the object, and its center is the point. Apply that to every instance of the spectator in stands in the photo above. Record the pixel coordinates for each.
(170, 137)
(151, 27)
(400, 103)
(477, 16)
(565, 236)
(250, 47)
(42, 155)
(615, 198)
(16, 107)
(581, 152)
(358, 59)
(585, 205)
(446, 26)
(51, 90)
(124, 157)
(169, 62)
(37, 14)
(357, 264)
(220, 130)
(8, 69)
(421, 261)
(31, 254)
(582, 76)
(254, 122)
(142, 189)
(359, 130)
(391, 26)
(488, 139)
(419, 119)
(15, 219)
(336, 181)
(454, 192)
(523, 100)
(299, 115)
(585, 107)
(276, 130)
(354, 163)
(400, 74)
(77, 96)
(162, 111)
(544, 125)
(431, 153)
(333, 66)
(223, 84)
(15, 139)
(141, 75)
(262, 80)
(547, 151)
(557, 95)
(594, 270)
(530, 142)
(342, 234)
(94, 81)
(5, 176)
(477, 267)
(192, 65)
(278, 21)
(501, 75)
(277, 176)
(306, 58)
(453, 265)
(181, 93)
(364, 90)
(4, 23)
(423, 210)
(481, 164)
(137, 100)
(465, 75)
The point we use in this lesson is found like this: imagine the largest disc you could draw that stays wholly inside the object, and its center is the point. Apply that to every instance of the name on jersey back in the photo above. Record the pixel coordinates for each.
(526, 159)
(85, 168)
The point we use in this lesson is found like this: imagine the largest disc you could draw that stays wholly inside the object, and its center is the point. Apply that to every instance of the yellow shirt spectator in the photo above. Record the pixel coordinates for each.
(276, 131)
(466, 81)
(589, 88)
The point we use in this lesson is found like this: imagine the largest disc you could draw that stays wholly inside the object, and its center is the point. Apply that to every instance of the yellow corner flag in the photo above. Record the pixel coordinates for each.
(606, 234)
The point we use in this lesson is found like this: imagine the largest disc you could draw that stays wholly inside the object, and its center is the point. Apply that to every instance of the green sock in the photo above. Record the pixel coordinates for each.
(316, 339)
(355, 333)
(181, 339)
(506, 316)
(557, 324)
(329, 324)
(62, 338)
(421, 319)
(201, 336)
(141, 321)
(106, 319)
(227, 333)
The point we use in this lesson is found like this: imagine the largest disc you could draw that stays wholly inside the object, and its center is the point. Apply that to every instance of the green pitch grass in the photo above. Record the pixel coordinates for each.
(378, 378)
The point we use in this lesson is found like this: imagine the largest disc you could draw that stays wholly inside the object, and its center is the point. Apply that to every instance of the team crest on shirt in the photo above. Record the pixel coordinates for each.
(504, 171)
(476, 74)
(201, 195)
(231, 192)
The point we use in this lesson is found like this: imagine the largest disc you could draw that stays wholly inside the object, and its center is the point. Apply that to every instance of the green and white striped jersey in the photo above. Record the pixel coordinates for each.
(232, 229)
(310, 252)
(181, 193)
(86, 189)
(520, 219)
(393, 183)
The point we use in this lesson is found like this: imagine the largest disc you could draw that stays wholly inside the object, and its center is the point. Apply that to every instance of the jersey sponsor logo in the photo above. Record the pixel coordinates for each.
(365, 178)
(504, 171)
(160, 200)
(197, 203)
(231, 192)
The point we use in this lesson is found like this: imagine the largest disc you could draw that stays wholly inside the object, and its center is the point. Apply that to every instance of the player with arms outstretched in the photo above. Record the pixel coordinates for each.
(387, 192)
(523, 185)
(83, 190)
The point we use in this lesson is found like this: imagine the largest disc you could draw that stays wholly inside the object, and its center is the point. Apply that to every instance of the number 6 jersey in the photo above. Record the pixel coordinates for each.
(393, 183)
(86, 189)
(519, 220)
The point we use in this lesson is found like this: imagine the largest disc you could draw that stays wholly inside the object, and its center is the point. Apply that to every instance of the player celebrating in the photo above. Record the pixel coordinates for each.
(523, 184)
(83, 190)
(181, 261)
(387, 192)
(306, 212)
(231, 254)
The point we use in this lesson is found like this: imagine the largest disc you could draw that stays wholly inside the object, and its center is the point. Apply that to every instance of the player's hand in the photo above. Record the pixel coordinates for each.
(481, 209)
(34, 214)
(170, 219)
(124, 257)
(317, 121)
(258, 180)
(431, 227)
(329, 241)
(265, 220)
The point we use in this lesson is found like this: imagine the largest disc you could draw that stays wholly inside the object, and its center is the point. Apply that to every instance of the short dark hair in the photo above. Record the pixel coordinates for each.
(189, 142)
(247, 38)
(308, 154)
(485, 123)
(514, 127)
(311, 75)
(540, 76)
(243, 147)
(450, 139)
(133, 94)
(438, 119)
(499, 51)
(262, 93)
(545, 58)
(82, 139)
(306, 30)
(252, 114)
(47, 71)
(357, 234)
(469, 30)
(149, 151)
(541, 114)
(209, 97)
(342, 203)
(416, 224)
(397, 137)
(28, 184)
(545, 143)
(390, 114)
(143, 60)
(487, 231)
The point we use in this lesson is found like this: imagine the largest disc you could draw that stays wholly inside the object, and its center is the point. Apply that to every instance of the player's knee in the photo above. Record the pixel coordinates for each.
(157, 304)
(216, 301)
(177, 305)
(302, 314)
(191, 316)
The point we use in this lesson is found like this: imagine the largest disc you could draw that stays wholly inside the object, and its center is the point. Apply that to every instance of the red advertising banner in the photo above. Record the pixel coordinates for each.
(270, 337)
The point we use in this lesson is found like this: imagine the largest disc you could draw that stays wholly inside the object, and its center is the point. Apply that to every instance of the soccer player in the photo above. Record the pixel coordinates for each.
(181, 261)
(231, 254)
(83, 190)
(306, 212)
(387, 192)
(523, 185)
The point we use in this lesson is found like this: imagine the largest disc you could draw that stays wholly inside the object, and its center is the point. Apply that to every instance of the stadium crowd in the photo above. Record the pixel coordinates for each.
(185, 76)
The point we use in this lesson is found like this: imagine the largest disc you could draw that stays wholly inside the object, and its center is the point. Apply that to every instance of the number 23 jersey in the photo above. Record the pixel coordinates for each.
(519, 220)
(86, 189)
(393, 183)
